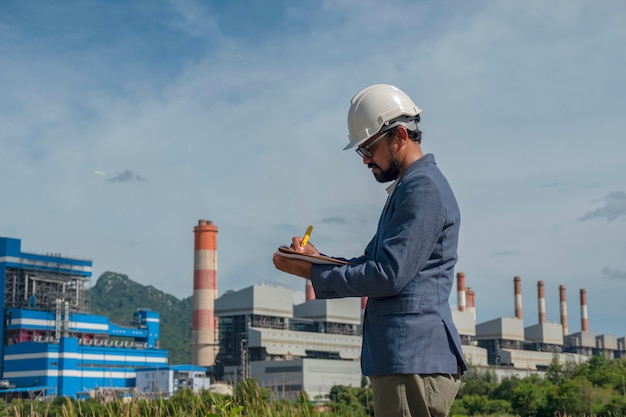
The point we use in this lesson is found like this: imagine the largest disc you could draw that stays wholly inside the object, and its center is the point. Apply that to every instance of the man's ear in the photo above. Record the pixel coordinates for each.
(402, 135)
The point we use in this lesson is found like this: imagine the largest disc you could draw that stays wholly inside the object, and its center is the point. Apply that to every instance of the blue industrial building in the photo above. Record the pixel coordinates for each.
(50, 342)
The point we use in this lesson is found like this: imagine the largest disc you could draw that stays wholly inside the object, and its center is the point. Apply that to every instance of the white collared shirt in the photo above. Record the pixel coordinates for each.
(391, 187)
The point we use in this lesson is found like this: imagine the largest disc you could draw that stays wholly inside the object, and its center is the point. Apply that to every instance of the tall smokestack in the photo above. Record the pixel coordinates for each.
(471, 300)
(563, 309)
(204, 324)
(310, 292)
(518, 297)
(460, 290)
(542, 302)
(584, 323)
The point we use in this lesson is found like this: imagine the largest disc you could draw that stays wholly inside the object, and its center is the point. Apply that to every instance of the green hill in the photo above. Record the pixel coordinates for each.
(118, 297)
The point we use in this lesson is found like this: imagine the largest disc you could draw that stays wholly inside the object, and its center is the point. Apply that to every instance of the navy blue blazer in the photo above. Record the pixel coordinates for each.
(407, 273)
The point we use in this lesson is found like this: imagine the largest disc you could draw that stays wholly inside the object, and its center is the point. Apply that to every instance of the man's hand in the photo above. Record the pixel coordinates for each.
(308, 249)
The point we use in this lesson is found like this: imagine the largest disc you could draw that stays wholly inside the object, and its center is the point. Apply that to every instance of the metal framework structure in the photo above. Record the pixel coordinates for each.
(44, 290)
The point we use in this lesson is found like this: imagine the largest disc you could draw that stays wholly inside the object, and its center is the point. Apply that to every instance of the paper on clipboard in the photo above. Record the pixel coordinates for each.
(314, 259)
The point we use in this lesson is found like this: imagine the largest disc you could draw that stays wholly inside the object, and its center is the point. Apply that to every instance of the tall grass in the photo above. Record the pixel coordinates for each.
(248, 400)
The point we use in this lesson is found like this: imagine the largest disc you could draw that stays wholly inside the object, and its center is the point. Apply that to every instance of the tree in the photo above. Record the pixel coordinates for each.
(504, 391)
(599, 370)
(346, 401)
(530, 397)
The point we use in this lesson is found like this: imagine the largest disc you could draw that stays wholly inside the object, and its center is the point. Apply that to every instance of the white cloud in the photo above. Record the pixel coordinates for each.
(613, 209)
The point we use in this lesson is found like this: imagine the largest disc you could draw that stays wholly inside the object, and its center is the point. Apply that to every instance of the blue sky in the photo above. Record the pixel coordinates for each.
(124, 123)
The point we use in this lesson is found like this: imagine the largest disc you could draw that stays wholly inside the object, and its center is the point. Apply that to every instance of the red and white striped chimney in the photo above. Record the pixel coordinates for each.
(563, 310)
(309, 291)
(518, 297)
(203, 322)
(471, 301)
(584, 323)
(542, 302)
(460, 290)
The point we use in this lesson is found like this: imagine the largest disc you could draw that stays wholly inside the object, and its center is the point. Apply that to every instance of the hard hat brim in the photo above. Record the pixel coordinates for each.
(354, 144)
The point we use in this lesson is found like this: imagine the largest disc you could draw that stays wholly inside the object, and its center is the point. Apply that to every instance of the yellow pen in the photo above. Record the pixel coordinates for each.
(307, 234)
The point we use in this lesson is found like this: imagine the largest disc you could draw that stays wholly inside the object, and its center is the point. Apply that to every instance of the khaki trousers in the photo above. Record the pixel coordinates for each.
(428, 395)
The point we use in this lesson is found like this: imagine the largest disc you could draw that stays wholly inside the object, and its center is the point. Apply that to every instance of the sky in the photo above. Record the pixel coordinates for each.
(124, 123)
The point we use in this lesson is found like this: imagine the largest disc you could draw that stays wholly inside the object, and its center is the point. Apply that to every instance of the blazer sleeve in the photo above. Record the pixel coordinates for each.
(408, 232)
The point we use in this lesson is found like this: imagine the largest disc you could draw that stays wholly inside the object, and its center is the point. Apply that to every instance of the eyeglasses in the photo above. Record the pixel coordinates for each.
(364, 151)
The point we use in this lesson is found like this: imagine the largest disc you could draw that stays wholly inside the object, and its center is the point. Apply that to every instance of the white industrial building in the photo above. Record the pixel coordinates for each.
(308, 347)
(163, 382)
(314, 376)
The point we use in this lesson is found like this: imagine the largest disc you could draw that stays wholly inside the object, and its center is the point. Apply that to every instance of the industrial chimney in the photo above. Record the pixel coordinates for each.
(204, 324)
(460, 290)
(471, 301)
(542, 302)
(518, 297)
(563, 309)
(584, 323)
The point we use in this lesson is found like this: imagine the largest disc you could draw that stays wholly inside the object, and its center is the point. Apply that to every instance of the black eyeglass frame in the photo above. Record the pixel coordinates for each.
(364, 151)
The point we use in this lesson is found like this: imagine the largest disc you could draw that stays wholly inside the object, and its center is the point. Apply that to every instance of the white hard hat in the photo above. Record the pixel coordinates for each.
(375, 107)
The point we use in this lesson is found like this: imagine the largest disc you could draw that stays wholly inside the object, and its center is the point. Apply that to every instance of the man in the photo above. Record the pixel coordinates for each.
(411, 348)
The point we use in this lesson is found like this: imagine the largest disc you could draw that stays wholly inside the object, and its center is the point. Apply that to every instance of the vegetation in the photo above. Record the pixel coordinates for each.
(249, 400)
(596, 388)
(118, 297)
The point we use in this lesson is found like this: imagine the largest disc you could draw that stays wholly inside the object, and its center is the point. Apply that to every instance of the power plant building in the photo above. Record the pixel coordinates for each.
(164, 381)
(533, 348)
(51, 344)
(307, 347)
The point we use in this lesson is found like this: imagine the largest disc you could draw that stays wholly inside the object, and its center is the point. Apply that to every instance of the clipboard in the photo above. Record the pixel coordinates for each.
(314, 259)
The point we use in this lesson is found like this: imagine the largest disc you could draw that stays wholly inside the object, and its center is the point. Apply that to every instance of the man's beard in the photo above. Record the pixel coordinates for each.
(390, 173)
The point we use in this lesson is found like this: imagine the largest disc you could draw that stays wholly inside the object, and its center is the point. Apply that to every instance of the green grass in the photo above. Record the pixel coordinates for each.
(249, 400)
